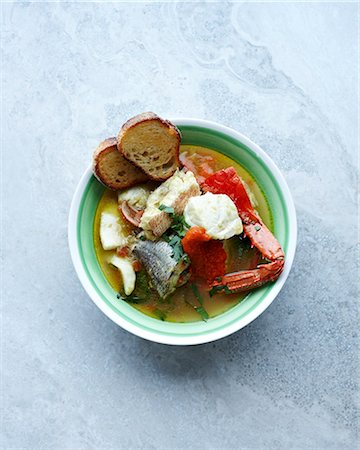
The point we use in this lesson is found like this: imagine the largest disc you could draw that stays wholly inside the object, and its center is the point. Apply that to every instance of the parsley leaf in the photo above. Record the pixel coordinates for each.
(175, 233)
(141, 293)
(179, 225)
(167, 209)
(160, 314)
(196, 292)
(175, 242)
(131, 299)
(219, 288)
(199, 309)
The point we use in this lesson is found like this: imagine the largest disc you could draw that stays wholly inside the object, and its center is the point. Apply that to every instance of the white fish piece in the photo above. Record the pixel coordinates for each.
(127, 272)
(216, 213)
(111, 232)
(175, 193)
(164, 270)
(135, 196)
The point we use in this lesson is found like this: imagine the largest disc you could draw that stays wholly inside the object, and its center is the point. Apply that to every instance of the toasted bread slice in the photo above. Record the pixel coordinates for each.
(152, 144)
(112, 169)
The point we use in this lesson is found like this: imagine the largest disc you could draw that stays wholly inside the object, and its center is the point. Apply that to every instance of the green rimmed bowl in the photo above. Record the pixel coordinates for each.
(272, 183)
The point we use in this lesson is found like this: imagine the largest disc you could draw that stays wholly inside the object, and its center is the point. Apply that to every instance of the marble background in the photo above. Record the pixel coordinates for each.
(284, 74)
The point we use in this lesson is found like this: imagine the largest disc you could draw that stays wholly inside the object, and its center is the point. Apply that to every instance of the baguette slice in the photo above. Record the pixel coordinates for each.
(112, 169)
(152, 144)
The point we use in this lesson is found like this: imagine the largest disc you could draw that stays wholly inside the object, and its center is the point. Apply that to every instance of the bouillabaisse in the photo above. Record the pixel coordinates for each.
(190, 301)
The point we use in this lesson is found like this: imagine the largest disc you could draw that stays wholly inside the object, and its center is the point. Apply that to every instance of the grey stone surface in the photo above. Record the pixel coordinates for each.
(283, 74)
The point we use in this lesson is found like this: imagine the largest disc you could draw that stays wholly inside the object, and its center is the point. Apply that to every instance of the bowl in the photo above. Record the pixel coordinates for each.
(268, 177)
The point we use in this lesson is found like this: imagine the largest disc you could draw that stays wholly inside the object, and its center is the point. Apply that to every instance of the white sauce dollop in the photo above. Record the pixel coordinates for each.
(216, 213)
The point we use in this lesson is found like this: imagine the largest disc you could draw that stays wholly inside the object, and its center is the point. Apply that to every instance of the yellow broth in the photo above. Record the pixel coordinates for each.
(240, 255)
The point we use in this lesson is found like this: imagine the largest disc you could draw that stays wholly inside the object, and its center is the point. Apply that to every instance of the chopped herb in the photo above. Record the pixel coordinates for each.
(179, 226)
(197, 293)
(174, 240)
(175, 243)
(200, 310)
(203, 313)
(160, 314)
(215, 289)
(167, 209)
(243, 246)
(257, 227)
(131, 299)
(166, 301)
(186, 259)
(142, 285)
(141, 292)
(219, 288)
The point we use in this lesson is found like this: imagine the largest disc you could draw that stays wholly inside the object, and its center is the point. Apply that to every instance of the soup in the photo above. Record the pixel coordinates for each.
(190, 302)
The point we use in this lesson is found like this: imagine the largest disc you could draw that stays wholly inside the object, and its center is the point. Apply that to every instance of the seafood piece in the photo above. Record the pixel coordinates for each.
(164, 270)
(202, 166)
(175, 193)
(111, 232)
(127, 271)
(228, 182)
(135, 196)
(216, 213)
(130, 213)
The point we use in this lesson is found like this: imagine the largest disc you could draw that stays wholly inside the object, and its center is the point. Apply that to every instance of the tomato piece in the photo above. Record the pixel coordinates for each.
(136, 265)
(122, 251)
(207, 256)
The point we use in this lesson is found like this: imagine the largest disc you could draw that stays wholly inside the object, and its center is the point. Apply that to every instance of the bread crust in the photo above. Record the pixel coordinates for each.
(146, 117)
(107, 146)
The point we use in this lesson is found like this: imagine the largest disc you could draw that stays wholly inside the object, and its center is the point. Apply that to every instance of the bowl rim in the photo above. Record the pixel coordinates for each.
(226, 330)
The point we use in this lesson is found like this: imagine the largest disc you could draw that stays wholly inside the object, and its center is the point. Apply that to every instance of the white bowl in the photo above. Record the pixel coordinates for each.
(273, 184)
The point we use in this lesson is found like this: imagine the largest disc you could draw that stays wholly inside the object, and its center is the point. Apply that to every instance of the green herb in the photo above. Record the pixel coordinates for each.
(141, 292)
(203, 313)
(166, 301)
(197, 293)
(131, 299)
(175, 243)
(186, 259)
(142, 284)
(175, 233)
(200, 310)
(167, 209)
(179, 225)
(257, 227)
(243, 246)
(219, 288)
(160, 314)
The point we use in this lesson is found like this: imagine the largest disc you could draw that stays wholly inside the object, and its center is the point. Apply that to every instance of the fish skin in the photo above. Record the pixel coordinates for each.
(163, 269)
